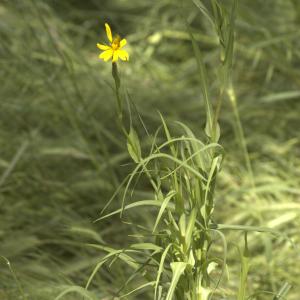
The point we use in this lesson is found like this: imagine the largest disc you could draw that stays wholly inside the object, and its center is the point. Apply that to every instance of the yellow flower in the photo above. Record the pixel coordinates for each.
(114, 50)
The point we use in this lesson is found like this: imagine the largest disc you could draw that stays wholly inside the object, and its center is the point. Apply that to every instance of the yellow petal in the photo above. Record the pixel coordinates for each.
(123, 54)
(123, 43)
(103, 47)
(108, 32)
(106, 55)
(115, 55)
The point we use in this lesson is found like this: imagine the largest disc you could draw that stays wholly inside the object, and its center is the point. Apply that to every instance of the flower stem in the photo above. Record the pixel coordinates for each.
(116, 77)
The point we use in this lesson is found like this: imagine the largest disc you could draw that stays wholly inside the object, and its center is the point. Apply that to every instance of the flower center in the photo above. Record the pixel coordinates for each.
(116, 43)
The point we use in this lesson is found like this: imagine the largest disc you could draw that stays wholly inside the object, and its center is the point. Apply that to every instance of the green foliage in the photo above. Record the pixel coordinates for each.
(133, 145)
(63, 154)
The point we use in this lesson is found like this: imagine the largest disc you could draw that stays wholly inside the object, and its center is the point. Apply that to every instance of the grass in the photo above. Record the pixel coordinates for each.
(63, 154)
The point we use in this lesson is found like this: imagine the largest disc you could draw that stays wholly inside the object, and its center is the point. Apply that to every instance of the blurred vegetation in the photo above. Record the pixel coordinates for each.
(63, 156)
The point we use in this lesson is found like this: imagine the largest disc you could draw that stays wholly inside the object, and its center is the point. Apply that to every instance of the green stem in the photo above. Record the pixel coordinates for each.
(115, 74)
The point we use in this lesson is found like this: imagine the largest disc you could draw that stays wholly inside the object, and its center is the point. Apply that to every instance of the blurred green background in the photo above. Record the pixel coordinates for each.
(63, 156)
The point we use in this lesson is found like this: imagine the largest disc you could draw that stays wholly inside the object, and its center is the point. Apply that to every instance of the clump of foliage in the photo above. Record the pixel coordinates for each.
(63, 153)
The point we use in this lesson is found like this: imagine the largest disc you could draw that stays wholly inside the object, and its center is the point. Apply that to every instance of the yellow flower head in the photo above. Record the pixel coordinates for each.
(114, 49)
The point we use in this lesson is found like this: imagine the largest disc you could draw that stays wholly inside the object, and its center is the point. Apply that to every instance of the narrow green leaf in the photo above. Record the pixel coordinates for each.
(164, 205)
(161, 268)
(114, 254)
(203, 9)
(146, 246)
(132, 205)
(190, 227)
(177, 269)
(168, 135)
(133, 146)
(244, 256)
(283, 291)
(96, 269)
(76, 289)
(151, 283)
